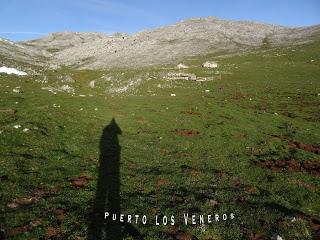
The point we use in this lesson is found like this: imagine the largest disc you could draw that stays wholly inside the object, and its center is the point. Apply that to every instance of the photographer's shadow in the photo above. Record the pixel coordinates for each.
(107, 198)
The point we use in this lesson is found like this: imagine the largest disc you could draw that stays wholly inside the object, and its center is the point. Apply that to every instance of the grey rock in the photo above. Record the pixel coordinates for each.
(181, 76)
(210, 64)
(164, 45)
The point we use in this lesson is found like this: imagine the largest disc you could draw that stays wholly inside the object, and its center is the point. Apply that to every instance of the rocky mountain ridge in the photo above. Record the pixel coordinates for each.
(164, 45)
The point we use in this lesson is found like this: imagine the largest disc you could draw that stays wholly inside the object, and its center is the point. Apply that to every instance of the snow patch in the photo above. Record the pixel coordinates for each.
(12, 71)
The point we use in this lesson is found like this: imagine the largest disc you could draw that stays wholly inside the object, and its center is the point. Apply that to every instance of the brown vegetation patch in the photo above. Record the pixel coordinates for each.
(81, 181)
(298, 145)
(301, 183)
(59, 213)
(310, 166)
(23, 201)
(191, 171)
(306, 147)
(187, 133)
(191, 113)
(181, 235)
(37, 194)
(9, 111)
(53, 233)
(162, 182)
(22, 229)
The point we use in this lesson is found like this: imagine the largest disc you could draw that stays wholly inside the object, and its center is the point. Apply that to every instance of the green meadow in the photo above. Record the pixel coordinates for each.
(246, 143)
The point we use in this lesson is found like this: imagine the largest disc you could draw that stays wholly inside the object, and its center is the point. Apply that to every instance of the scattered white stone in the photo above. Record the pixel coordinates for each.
(81, 109)
(82, 95)
(182, 66)
(318, 94)
(12, 71)
(16, 102)
(210, 64)
(25, 130)
(250, 99)
(131, 84)
(63, 88)
(1, 131)
(66, 88)
(16, 90)
(172, 94)
(92, 84)
(276, 114)
(293, 219)
(160, 138)
(66, 79)
(17, 126)
(44, 80)
(96, 109)
(278, 237)
(180, 76)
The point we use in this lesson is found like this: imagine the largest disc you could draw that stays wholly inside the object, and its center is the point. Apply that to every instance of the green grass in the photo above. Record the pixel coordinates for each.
(273, 92)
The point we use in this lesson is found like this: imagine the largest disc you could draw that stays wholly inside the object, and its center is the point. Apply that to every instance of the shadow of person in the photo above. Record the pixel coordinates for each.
(108, 186)
(107, 198)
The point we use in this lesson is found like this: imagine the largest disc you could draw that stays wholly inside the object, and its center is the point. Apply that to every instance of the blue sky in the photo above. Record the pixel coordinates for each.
(29, 19)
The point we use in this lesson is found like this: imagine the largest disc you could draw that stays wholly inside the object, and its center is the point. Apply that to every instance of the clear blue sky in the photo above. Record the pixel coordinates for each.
(28, 19)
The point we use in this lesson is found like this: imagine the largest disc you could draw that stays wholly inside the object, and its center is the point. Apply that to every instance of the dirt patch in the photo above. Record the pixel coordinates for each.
(22, 229)
(293, 144)
(190, 171)
(191, 113)
(181, 235)
(289, 114)
(22, 202)
(37, 195)
(81, 181)
(9, 111)
(313, 222)
(53, 233)
(41, 193)
(301, 183)
(187, 133)
(305, 147)
(59, 213)
(162, 182)
(310, 166)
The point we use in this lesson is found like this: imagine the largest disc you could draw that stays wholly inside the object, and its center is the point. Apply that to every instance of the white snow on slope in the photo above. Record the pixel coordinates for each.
(6, 40)
(12, 71)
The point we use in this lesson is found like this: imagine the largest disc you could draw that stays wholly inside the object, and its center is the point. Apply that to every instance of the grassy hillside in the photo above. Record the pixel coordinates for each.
(248, 146)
